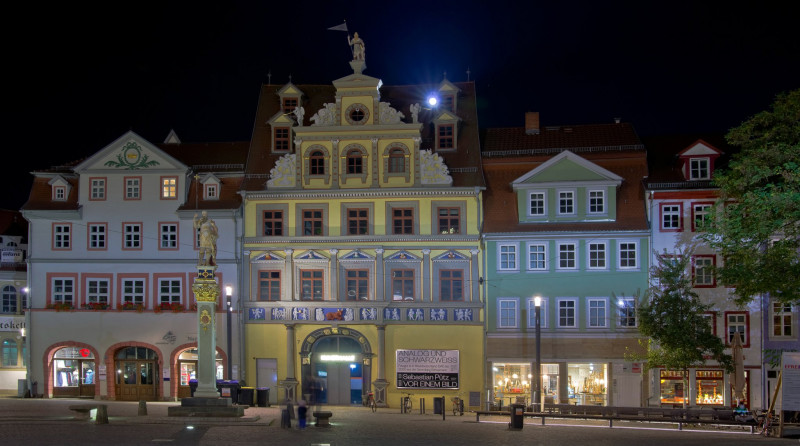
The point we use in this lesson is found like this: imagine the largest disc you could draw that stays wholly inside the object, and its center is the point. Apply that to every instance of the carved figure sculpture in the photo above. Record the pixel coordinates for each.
(208, 239)
(415, 112)
(299, 112)
(358, 46)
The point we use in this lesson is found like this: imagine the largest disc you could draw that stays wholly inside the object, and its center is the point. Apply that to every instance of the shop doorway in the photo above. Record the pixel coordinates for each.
(73, 373)
(136, 374)
(338, 370)
(267, 376)
(187, 367)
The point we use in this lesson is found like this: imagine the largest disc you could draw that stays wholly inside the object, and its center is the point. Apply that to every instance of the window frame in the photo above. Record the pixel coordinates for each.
(502, 257)
(696, 269)
(664, 213)
(692, 169)
(317, 164)
(745, 317)
(281, 138)
(636, 256)
(354, 162)
(171, 296)
(456, 279)
(405, 280)
(590, 199)
(62, 240)
(59, 193)
(357, 218)
(590, 317)
(9, 304)
(98, 188)
(786, 311)
(544, 259)
(97, 236)
(276, 231)
(59, 297)
(93, 293)
(572, 203)
(316, 280)
(445, 137)
(313, 220)
(211, 191)
(532, 313)
(127, 235)
(574, 309)
(169, 188)
(504, 322)
(404, 220)
(133, 188)
(626, 312)
(357, 282)
(173, 236)
(136, 281)
(448, 219)
(564, 243)
(589, 252)
(270, 281)
(704, 213)
(541, 196)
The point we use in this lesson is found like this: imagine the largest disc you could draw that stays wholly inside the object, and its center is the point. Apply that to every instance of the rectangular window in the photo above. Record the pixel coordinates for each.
(273, 223)
(782, 319)
(403, 284)
(212, 192)
(537, 257)
(628, 255)
(597, 313)
(132, 236)
(700, 213)
(357, 221)
(402, 220)
(597, 202)
(62, 236)
(567, 253)
(357, 284)
(269, 285)
(698, 169)
(98, 188)
(506, 313)
(449, 220)
(703, 272)
(711, 317)
(508, 257)
(289, 104)
(312, 222)
(626, 306)
(567, 309)
(133, 188)
(169, 291)
(445, 136)
(133, 291)
(542, 313)
(59, 193)
(63, 291)
(97, 236)
(168, 235)
(446, 102)
(737, 321)
(566, 203)
(597, 256)
(282, 138)
(97, 291)
(451, 285)
(537, 206)
(671, 217)
(311, 284)
(169, 188)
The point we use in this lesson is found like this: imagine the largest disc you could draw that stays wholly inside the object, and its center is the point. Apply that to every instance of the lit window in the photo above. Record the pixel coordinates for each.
(782, 319)
(169, 188)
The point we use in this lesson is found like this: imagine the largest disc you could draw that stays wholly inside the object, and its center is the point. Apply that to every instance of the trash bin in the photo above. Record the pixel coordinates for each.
(192, 386)
(229, 389)
(262, 396)
(438, 405)
(246, 396)
(516, 416)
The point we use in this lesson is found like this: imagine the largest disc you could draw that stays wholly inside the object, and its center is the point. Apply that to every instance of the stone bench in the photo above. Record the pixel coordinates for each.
(82, 411)
(322, 418)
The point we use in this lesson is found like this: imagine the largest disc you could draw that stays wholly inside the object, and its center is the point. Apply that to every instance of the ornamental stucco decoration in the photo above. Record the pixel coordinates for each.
(433, 170)
(325, 115)
(132, 158)
(389, 115)
(283, 174)
(206, 292)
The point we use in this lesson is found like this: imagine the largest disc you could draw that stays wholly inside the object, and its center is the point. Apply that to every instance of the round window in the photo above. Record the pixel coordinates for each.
(357, 114)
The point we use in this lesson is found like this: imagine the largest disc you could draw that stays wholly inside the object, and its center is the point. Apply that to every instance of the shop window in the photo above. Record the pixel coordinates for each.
(72, 368)
(10, 353)
(269, 285)
(710, 388)
(587, 384)
(672, 388)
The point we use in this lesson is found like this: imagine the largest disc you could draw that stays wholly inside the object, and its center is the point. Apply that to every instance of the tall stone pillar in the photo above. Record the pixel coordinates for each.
(206, 291)
(381, 383)
(289, 384)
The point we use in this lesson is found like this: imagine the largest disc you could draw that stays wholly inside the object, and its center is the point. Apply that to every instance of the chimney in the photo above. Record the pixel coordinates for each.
(532, 123)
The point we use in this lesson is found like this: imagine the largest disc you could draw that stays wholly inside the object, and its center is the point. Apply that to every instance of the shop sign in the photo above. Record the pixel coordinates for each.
(790, 376)
(12, 323)
(427, 369)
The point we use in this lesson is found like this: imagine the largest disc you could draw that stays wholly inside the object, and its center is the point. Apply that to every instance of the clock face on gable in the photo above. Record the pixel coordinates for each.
(357, 114)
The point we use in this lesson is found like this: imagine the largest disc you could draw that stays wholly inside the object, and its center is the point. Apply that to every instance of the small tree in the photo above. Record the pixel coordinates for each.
(672, 317)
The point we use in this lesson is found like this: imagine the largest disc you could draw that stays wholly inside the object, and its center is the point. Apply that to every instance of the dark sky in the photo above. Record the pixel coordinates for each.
(83, 73)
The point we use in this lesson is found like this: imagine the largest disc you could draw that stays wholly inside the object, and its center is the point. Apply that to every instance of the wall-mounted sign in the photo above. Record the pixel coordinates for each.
(337, 358)
(13, 323)
(427, 369)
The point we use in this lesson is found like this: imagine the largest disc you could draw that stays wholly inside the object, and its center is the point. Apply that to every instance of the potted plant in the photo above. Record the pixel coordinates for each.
(96, 306)
(177, 307)
(60, 306)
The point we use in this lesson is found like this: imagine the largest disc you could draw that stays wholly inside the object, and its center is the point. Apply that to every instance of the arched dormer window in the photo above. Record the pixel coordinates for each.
(396, 162)
(316, 163)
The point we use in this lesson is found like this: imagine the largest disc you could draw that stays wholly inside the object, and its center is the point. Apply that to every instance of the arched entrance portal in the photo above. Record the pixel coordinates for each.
(336, 367)
(73, 373)
(136, 373)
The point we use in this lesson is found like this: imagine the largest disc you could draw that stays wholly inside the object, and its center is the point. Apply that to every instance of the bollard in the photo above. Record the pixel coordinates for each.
(102, 414)
(142, 408)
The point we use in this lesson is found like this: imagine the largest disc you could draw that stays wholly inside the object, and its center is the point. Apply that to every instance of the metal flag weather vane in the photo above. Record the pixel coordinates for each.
(342, 27)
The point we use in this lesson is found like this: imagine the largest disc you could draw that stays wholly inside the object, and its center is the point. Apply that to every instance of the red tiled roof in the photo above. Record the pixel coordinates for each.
(572, 137)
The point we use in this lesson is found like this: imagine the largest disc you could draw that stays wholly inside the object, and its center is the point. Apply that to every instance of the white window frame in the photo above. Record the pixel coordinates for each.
(97, 236)
(59, 193)
(505, 322)
(701, 210)
(136, 297)
(501, 257)
(590, 309)
(636, 257)
(61, 297)
(693, 168)
(574, 317)
(62, 239)
(590, 198)
(589, 251)
(541, 195)
(667, 210)
(559, 246)
(98, 291)
(97, 188)
(211, 191)
(532, 313)
(134, 236)
(730, 323)
(168, 235)
(133, 188)
(543, 254)
(572, 202)
(626, 311)
(171, 295)
(703, 269)
(786, 318)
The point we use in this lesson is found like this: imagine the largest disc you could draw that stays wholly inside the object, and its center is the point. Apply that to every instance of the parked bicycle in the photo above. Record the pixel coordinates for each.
(767, 423)
(458, 405)
(371, 402)
(406, 402)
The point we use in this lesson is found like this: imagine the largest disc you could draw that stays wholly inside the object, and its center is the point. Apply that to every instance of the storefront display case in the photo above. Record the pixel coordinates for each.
(709, 388)
(672, 388)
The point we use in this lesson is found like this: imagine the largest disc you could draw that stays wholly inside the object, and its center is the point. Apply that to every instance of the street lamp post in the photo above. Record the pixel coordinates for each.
(228, 294)
(537, 376)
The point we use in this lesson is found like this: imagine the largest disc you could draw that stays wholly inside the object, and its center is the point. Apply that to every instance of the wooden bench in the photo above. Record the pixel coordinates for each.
(82, 411)
(322, 418)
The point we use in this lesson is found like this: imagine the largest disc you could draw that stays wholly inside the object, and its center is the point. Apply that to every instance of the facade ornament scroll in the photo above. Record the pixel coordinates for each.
(325, 116)
(284, 172)
(433, 169)
(389, 115)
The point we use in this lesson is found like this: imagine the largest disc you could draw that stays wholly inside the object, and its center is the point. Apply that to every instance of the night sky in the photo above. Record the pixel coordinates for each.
(83, 73)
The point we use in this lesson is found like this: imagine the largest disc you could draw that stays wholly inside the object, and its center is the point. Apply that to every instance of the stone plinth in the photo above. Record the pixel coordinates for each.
(206, 407)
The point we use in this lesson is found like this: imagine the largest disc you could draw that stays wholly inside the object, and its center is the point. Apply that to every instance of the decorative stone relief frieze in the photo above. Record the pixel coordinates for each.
(284, 172)
(433, 169)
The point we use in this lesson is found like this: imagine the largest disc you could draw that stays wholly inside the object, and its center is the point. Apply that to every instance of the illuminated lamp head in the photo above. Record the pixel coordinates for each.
(432, 101)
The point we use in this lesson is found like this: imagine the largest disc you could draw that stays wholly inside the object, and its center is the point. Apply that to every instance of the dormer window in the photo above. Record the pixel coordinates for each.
(447, 102)
(59, 193)
(699, 169)
(289, 104)
(212, 191)
(59, 189)
(444, 137)
(281, 139)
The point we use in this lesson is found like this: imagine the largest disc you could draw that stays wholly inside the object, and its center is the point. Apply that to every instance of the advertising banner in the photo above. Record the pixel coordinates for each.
(790, 388)
(427, 369)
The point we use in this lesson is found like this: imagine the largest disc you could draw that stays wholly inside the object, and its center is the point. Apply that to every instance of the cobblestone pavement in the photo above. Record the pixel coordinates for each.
(50, 421)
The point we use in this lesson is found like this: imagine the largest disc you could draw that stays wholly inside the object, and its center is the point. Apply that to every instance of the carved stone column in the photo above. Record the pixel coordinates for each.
(288, 266)
(426, 275)
(379, 276)
(474, 273)
(289, 384)
(381, 383)
(206, 291)
(334, 273)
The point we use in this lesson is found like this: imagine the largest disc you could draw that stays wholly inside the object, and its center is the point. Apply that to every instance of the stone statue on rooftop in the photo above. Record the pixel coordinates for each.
(358, 46)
